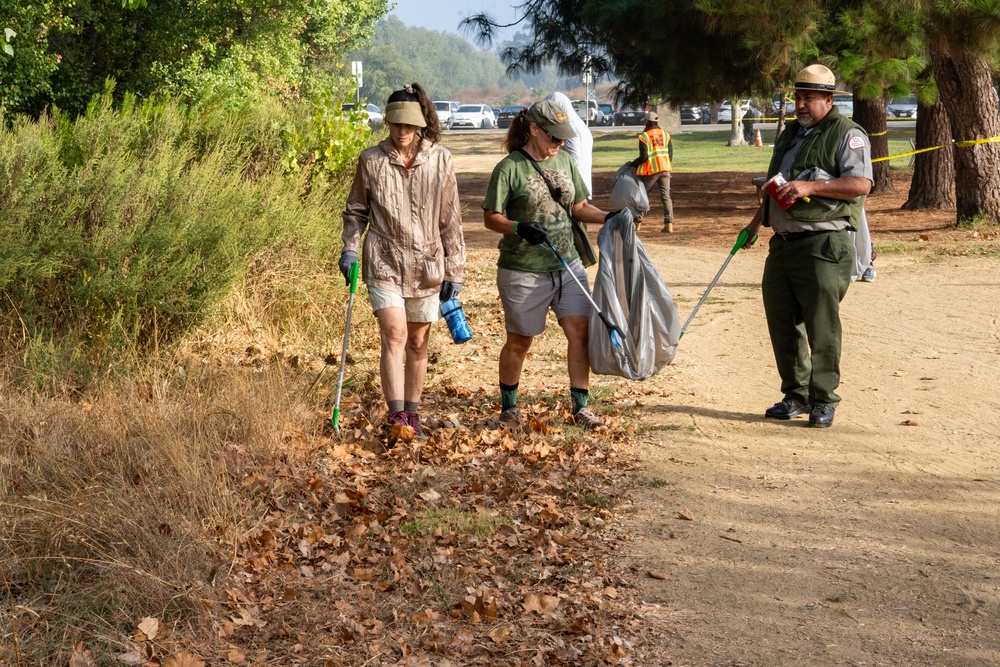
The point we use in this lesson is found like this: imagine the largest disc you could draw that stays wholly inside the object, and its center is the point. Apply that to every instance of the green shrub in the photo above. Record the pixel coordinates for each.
(120, 229)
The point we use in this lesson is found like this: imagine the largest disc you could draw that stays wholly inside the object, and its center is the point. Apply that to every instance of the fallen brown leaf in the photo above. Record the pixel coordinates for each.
(685, 514)
(402, 433)
(151, 628)
(909, 422)
(657, 575)
(184, 659)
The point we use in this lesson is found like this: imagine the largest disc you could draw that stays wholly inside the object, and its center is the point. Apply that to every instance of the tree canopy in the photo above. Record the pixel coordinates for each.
(233, 49)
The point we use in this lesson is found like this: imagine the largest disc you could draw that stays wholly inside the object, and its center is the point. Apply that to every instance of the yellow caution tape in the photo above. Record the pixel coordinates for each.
(966, 143)
(879, 134)
(907, 154)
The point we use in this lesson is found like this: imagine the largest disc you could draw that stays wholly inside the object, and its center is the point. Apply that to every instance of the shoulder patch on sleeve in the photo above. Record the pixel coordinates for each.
(855, 143)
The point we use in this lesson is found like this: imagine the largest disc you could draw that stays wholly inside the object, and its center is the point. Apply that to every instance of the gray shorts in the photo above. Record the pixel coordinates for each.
(418, 309)
(527, 297)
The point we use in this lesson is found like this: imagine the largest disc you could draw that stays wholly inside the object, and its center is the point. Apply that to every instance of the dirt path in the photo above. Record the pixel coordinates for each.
(875, 542)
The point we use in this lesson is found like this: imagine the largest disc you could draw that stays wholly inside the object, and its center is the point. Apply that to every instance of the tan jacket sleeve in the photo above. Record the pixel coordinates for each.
(450, 224)
(355, 215)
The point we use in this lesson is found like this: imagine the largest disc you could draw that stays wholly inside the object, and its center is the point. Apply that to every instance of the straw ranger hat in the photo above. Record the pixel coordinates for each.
(817, 78)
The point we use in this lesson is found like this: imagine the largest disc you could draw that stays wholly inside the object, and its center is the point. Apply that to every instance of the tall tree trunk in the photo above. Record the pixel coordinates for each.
(736, 124)
(870, 114)
(966, 87)
(934, 171)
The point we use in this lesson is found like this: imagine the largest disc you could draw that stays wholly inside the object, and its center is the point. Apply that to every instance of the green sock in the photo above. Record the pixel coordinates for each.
(581, 397)
(508, 396)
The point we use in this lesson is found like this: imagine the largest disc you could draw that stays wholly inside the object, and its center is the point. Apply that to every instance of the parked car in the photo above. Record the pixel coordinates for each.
(630, 116)
(507, 114)
(609, 113)
(695, 113)
(445, 109)
(588, 111)
(474, 116)
(496, 112)
(845, 103)
(726, 111)
(902, 107)
(374, 113)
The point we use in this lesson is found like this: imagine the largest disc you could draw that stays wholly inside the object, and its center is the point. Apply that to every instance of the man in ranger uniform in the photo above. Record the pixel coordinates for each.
(653, 165)
(825, 160)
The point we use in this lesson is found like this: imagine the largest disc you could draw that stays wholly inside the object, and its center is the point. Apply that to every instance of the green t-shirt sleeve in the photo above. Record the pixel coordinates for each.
(498, 190)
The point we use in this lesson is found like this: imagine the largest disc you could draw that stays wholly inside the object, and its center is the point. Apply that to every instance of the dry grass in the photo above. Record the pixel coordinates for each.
(127, 502)
(120, 506)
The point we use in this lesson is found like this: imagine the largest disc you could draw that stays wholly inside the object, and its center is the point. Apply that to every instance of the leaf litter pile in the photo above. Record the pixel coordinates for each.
(482, 544)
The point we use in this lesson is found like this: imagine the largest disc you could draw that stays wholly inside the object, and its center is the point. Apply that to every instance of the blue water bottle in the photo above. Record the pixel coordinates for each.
(454, 316)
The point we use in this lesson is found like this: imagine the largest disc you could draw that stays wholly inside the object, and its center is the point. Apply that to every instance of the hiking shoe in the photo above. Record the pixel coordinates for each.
(588, 420)
(668, 228)
(513, 415)
(869, 275)
(400, 417)
(413, 419)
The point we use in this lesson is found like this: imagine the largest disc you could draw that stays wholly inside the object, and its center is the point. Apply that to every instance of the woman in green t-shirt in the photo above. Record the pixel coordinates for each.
(530, 198)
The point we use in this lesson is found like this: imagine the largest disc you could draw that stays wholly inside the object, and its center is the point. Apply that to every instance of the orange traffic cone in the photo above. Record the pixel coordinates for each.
(757, 142)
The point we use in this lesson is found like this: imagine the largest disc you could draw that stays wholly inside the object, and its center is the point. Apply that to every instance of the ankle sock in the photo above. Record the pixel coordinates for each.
(508, 396)
(395, 406)
(413, 407)
(581, 397)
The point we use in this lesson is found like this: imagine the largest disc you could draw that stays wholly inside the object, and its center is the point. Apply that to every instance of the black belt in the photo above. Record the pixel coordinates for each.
(795, 236)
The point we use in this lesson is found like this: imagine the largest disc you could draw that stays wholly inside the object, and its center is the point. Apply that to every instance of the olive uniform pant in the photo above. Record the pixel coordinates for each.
(805, 279)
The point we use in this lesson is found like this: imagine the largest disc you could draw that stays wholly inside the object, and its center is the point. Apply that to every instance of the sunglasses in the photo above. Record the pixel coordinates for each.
(551, 138)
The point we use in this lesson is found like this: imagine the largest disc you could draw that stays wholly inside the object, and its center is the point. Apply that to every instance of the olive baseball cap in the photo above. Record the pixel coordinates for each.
(551, 117)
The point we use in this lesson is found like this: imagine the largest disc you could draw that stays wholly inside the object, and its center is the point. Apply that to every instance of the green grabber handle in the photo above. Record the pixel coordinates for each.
(335, 417)
(741, 241)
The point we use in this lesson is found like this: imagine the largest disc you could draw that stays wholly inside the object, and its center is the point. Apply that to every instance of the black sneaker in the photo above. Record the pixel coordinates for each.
(786, 409)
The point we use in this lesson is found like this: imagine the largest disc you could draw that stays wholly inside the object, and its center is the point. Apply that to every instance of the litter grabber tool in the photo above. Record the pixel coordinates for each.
(335, 417)
(740, 242)
(617, 335)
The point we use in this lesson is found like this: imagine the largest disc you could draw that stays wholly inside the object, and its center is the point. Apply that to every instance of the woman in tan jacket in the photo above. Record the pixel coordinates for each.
(406, 197)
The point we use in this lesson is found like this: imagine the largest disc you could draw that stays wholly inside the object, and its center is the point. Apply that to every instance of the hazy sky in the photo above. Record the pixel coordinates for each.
(444, 15)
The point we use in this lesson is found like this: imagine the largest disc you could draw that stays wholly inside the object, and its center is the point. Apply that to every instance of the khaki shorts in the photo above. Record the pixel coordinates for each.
(527, 297)
(418, 309)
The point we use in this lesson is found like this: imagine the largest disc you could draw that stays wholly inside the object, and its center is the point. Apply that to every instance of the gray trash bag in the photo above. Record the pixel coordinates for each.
(862, 247)
(630, 293)
(629, 192)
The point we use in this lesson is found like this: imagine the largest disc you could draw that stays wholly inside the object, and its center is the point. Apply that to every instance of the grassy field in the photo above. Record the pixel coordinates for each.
(694, 152)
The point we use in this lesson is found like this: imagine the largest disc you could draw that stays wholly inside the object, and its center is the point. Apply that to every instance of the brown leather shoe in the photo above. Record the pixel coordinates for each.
(668, 228)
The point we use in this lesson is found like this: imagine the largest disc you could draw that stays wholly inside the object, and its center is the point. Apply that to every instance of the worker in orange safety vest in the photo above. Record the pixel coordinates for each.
(656, 152)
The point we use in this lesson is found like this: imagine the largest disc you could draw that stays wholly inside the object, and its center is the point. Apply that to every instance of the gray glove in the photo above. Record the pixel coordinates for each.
(449, 290)
(347, 259)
